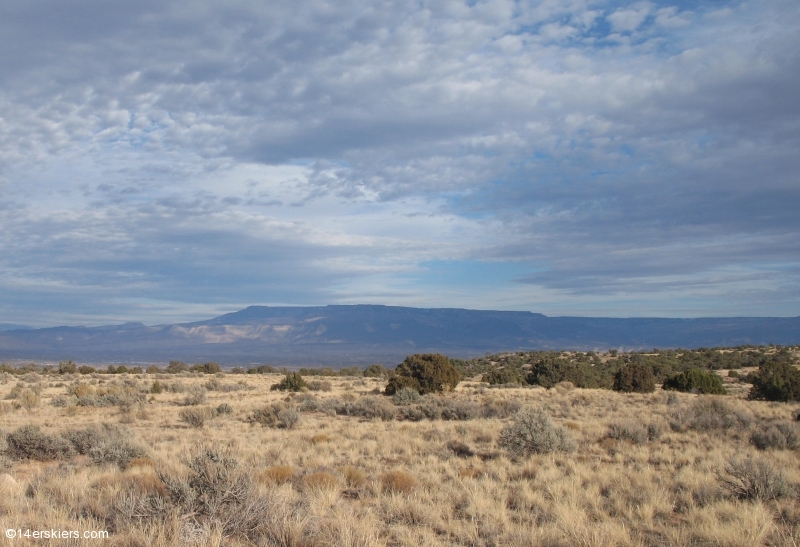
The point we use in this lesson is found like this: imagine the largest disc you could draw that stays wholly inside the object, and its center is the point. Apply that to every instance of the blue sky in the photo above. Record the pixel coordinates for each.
(170, 161)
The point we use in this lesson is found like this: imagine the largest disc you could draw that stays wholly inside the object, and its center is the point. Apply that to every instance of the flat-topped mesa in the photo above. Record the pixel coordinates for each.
(340, 335)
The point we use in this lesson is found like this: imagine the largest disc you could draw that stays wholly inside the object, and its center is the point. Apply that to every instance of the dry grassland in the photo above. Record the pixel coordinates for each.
(344, 480)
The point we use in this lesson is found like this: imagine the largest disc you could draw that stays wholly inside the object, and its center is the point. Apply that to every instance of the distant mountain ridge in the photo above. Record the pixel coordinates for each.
(361, 334)
(12, 326)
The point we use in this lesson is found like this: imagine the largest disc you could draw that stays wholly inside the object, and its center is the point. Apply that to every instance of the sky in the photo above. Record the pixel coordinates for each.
(166, 161)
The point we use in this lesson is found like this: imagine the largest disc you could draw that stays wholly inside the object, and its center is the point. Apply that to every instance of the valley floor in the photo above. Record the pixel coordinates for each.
(352, 480)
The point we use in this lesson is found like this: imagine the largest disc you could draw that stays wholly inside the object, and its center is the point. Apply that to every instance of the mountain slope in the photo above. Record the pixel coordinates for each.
(333, 335)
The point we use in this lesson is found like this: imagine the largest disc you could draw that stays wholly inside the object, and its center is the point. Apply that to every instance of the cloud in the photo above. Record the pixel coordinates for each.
(156, 158)
(628, 20)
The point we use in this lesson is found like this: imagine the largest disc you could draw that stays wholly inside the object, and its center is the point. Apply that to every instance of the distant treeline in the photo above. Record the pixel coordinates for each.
(175, 367)
(598, 370)
(584, 369)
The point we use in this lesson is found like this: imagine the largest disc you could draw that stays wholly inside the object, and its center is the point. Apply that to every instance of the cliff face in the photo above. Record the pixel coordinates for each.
(362, 334)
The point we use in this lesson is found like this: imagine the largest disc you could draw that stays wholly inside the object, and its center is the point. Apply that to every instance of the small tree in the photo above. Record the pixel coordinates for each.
(176, 367)
(695, 381)
(635, 378)
(433, 372)
(67, 367)
(399, 383)
(206, 368)
(500, 376)
(551, 370)
(263, 369)
(375, 371)
(776, 381)
(293, 381)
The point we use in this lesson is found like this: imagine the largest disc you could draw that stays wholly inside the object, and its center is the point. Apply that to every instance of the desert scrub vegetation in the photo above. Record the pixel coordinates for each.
(438, 471)
(696, 381)
(278, 414)
(776, 381)
(106, 445)
(635, 377)
(425, 373)
(532, 432)
(293, 381)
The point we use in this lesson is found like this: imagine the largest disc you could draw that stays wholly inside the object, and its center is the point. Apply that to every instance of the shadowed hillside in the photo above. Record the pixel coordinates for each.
(361, 334)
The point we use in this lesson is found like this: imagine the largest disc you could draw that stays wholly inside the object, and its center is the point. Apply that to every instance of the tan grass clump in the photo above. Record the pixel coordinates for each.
(353, 476)
(321, 438)
(398, 482)
(471, 472)
(321, 480)
(277, 474)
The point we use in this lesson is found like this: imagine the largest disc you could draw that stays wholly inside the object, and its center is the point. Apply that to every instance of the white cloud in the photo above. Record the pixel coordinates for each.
(629, 19)
(244, 152)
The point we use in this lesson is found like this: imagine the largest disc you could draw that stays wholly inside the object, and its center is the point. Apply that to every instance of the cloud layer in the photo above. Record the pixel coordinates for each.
(164, 161)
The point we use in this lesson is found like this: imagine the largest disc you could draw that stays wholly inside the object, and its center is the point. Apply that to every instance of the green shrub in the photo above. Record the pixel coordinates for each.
(206, 368)
(29, 443)
(776, 381)
(399, 383)
(67, 367)
(291, 382)
(532, 432)
(635, 378)
(223, 409)
(433, 372)
(376, 371)
(502, 376)
(263, 369)
(551, 370)
(156, 388)
(176, 367)
(695, 381)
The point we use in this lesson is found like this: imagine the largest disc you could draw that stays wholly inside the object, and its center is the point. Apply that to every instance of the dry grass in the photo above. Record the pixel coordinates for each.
(339, 479)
